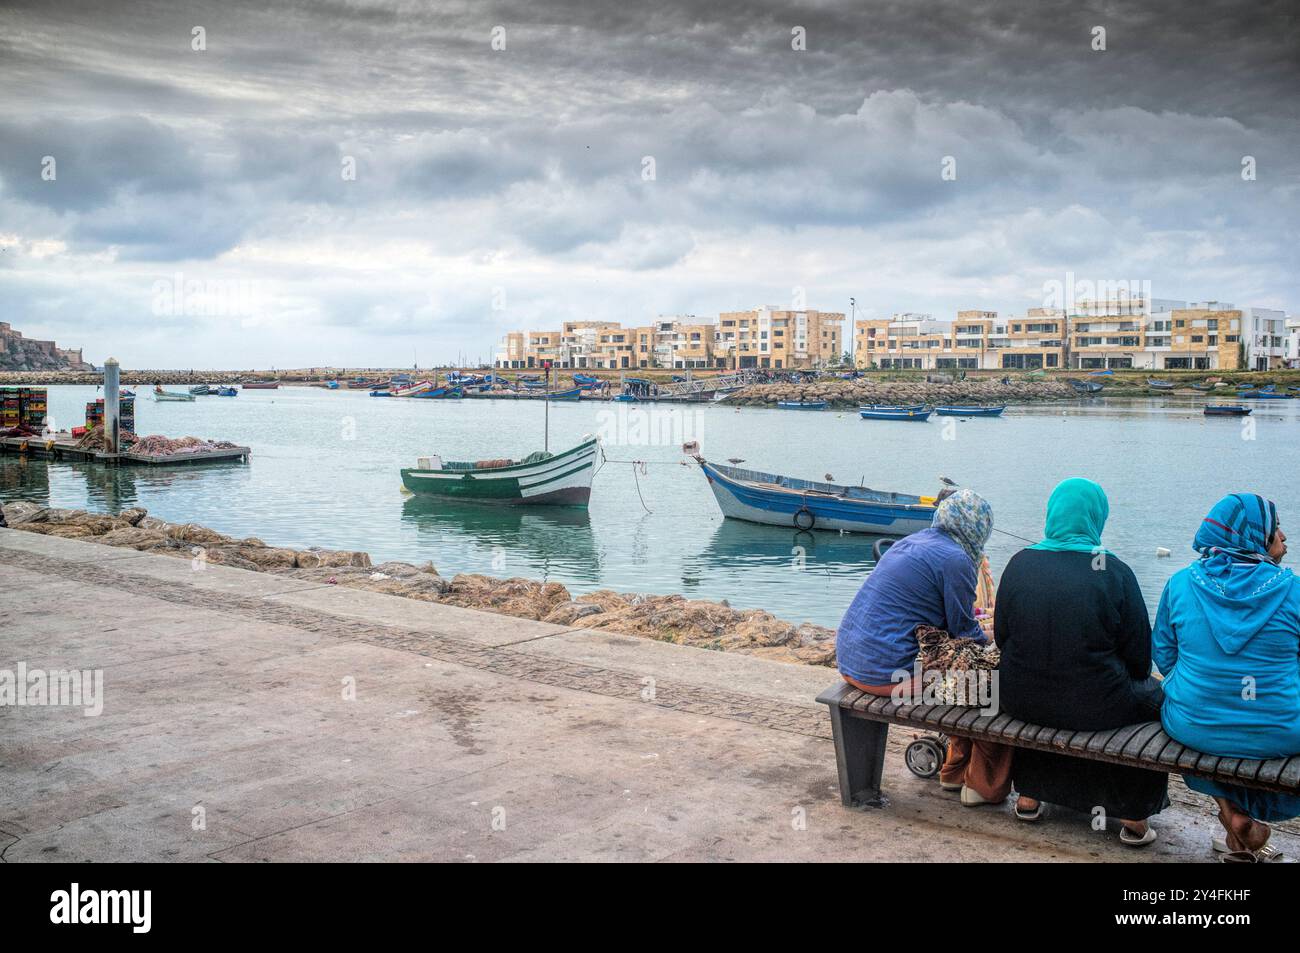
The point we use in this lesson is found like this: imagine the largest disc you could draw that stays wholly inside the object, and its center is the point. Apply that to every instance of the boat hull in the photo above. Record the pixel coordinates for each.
(790, 508)
(562, 480)
(802, 405)
(917, 415)
(969, 411)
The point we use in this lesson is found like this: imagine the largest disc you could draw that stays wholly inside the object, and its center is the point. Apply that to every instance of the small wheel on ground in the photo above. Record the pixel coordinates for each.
(924, 757)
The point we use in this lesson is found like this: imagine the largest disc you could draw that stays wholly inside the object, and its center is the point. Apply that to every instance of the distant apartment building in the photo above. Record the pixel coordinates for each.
(976, 340)
(1161, 334)
(1291, 349)
(768, 337)
(765, 337)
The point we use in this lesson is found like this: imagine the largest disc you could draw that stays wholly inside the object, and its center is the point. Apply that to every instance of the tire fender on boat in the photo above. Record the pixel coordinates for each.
(804, 518)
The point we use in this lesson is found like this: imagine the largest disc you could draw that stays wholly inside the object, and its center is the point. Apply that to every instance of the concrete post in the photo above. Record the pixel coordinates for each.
(111, 401)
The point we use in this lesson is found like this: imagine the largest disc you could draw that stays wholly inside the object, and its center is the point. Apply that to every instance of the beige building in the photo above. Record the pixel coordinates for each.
(976, 340)
(767, 337)
(762, 338)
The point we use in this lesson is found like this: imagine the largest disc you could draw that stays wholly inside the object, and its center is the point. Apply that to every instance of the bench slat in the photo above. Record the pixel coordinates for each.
(1291, 773)
(1227, 768)
(936, 713)
(1011, 730)
(958, 712)
(999, 722)
(1097, 743)
(1155, 747)
(1271, 770)
(1187, 758)
(1060, 739)
(1170, 754)
(1248, 769)
(1139, 740)
(1121, 738)
(968, 719)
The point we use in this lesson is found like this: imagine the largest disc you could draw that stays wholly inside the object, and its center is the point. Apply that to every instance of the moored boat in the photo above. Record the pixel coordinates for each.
(260, 385)
(972, 410)
(163, 395)
(1226, 410)
(1267, 395)
(801, 404)
(1085, 387)
(774, 500)
(558, 479)
(877, 412)
(1202, 385)
(1159, 385)
(411, 390)
(201, 390)
(226, 391)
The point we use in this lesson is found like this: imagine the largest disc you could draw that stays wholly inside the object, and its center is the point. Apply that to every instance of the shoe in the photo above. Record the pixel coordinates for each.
(1029, 816)
(1268, 854)
(972, 798)
(1127, 837)
(950, 786)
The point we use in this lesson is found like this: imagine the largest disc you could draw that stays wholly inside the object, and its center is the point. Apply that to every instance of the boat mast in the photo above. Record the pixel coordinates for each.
(546, 440)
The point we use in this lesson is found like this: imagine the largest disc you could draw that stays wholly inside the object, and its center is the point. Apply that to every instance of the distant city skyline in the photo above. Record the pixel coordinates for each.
(242, 185)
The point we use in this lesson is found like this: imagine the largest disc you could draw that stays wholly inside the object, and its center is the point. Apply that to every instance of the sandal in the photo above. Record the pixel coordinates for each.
(1268, 854)
(1127, 837)
(1029, 816)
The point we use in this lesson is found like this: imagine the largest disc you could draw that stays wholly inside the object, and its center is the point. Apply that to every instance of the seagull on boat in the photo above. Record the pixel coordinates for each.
(829, 478)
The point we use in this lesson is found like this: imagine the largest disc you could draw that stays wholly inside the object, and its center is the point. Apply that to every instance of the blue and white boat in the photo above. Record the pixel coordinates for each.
(801, 404)
(1226, 410)
(877, 412)
(773, 500)
(972, 410)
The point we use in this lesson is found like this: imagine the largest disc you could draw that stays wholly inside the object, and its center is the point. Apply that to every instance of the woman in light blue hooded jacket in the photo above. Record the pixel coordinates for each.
(1227, 640)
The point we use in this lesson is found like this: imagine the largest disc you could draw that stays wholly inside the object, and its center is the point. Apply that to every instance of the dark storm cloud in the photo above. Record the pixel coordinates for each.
(1064, 155)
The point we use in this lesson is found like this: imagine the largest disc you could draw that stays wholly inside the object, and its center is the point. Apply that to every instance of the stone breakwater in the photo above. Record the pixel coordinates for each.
(840, 393)
(710, 625)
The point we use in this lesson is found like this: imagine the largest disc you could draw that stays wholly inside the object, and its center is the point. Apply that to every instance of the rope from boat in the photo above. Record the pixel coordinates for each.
(637, 465)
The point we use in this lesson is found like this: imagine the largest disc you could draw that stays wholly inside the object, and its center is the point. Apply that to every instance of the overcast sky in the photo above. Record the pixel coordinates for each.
(510, 188)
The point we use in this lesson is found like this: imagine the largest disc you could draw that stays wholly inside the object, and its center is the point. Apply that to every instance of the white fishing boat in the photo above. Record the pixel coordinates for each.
(562, 479)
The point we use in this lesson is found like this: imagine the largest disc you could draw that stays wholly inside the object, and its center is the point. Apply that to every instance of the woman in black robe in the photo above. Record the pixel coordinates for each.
(1075, 639)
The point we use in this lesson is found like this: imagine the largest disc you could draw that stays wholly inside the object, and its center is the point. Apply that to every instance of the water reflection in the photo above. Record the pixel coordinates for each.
(548, 541)
(738, 545)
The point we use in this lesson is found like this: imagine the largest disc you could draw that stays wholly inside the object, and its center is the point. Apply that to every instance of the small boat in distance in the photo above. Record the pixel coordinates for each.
(557, 479)
(1226, 410)
(1266, 395)
(226, 391)
(260, 385)
(410, 390)
(201, 390)
(801, 404)
(974, 410)
(1202, 385)
(774, 500)
(877, 412)
(163, 396)
(1159, 385)
(1085, 387)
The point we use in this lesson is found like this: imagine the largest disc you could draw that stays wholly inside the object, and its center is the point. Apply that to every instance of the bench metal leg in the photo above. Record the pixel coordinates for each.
(860, 757)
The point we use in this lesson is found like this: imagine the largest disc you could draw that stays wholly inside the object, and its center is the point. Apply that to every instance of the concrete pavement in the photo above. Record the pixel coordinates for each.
(248, 716)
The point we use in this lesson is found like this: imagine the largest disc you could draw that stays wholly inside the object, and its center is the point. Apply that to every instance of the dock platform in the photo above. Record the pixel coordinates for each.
(63, 446)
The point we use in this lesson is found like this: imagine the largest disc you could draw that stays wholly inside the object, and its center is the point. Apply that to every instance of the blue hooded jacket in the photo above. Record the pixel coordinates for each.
(1227, 639)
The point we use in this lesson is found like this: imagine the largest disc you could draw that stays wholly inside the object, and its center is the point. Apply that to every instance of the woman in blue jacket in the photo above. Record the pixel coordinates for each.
(1227, 639)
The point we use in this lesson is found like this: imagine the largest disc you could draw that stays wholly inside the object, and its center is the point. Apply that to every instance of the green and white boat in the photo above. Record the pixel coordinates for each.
(560, 479)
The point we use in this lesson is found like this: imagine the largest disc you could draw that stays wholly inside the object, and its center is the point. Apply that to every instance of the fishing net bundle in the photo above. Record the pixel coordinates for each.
(961, 664)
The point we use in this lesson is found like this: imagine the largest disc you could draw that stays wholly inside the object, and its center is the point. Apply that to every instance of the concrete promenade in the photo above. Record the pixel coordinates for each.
(249, 717)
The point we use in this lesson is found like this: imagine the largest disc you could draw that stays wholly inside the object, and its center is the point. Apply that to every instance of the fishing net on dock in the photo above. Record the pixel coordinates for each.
(93, 439)
(156, 445)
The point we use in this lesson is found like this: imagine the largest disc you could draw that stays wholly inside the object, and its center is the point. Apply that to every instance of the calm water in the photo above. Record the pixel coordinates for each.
(324, 472)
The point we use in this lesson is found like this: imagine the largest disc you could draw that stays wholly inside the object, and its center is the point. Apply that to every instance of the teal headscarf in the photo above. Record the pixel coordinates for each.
(1076, 515)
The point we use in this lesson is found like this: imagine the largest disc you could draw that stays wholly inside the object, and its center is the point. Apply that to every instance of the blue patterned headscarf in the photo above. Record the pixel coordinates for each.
(1241, 525)
(1237, 585)
(966, 517)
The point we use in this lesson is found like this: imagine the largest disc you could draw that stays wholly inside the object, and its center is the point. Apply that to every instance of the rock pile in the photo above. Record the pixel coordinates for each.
(840, 393)
(694, 622)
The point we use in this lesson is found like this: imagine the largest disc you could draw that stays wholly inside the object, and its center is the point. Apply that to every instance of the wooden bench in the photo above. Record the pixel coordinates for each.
(860, 726)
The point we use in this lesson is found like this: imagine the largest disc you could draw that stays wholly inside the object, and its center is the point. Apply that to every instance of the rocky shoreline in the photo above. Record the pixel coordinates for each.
(676, 619)
(841, 393)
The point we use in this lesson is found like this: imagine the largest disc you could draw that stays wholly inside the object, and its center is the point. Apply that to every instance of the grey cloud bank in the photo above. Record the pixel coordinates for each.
(522, 169)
